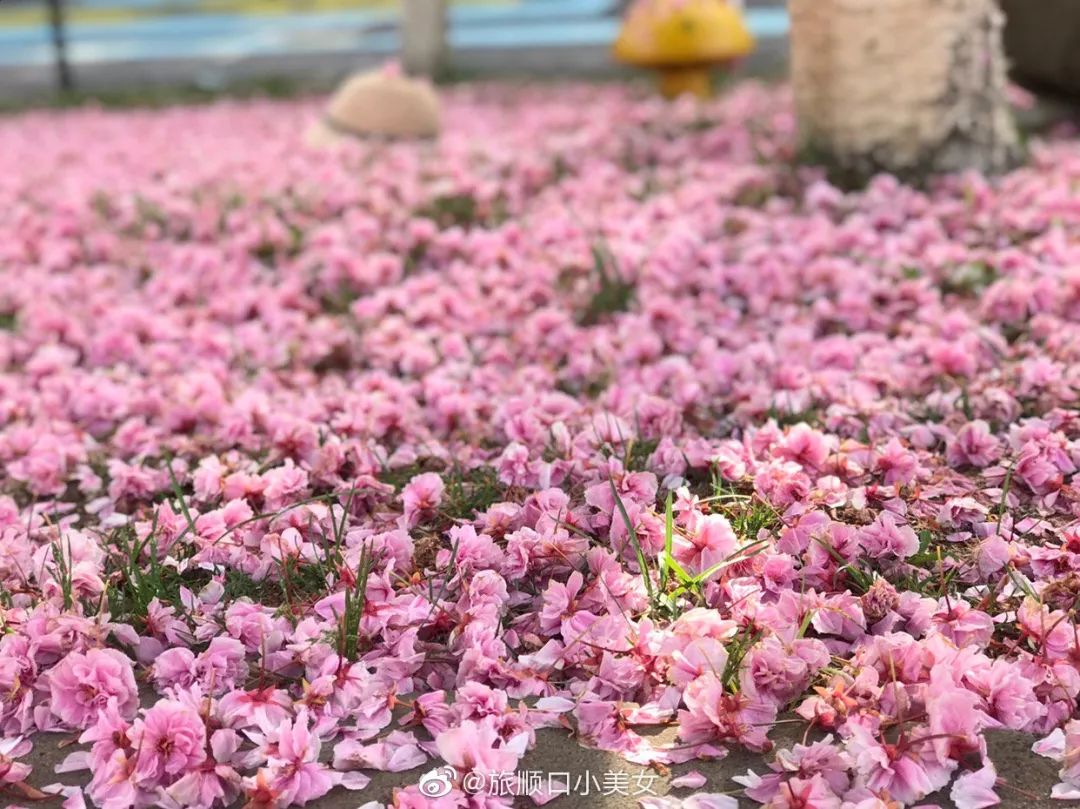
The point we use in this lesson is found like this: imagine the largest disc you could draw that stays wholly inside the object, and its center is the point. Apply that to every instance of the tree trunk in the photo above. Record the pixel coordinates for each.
(56, 23)
(906, 86)
(423, 37)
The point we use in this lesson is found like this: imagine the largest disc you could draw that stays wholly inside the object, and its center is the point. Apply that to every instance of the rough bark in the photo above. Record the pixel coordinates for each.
(423, 37)
(907, 86)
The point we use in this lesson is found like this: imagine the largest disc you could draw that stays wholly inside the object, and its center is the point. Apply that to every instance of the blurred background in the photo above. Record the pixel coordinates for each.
(218, 44)
(101, 47)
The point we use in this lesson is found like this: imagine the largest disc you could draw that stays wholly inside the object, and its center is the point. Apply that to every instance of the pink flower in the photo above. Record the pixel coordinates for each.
(879, 600)
(1036, 468)
(259, 706)
(226, 369)
(421, 496)
(818, 771)
(174, 667)
(974, 445)
(112, 784)
(805, 446)
(296, 775)
(713, 715)
(560, 601)
(805, 793)
(284, 484)
(707, 543)
(82, 684)
(217, 781)
(11, 771)
(169, 740)
(896, 464)
(697, 657)
(886, 536)
(780, 672)
(908, 770)
(222, 665)
(255, 626)
(476, 747)
(396, 753)
(975, 790)
(1010, 696)
(963, 625)
(474, 551)
(691, 780)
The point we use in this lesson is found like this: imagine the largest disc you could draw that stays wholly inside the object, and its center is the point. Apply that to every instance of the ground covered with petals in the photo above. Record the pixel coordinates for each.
(597, 414)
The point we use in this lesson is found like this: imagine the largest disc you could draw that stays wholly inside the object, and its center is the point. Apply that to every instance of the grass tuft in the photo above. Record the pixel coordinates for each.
(613, 293)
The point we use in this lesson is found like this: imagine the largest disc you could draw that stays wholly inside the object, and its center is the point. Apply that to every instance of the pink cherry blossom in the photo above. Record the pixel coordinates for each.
(975, 790)
(169, 740)
(370, 449)
(296, 777)
(82, 684)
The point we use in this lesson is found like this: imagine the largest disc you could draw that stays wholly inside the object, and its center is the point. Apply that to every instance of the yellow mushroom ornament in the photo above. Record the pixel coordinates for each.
(683, 40)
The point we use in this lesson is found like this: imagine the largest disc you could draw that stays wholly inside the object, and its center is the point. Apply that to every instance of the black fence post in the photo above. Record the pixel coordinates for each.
(63, 69)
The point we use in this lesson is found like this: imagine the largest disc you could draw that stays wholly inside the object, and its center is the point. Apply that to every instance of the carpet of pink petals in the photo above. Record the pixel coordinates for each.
(317, 463)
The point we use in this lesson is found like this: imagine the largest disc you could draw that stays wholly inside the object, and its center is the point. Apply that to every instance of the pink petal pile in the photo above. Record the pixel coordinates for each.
(597, 413)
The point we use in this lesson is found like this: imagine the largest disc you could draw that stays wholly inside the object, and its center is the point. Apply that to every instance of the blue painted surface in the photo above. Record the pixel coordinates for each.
(532, 23)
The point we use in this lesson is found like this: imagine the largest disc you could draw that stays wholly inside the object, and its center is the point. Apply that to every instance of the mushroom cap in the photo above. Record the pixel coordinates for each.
(384, 103)
(674, 33)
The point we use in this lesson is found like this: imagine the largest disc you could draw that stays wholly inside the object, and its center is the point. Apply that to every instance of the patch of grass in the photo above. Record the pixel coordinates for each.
(149, 213)
(338, 301)
(592, 388)
(102, 205)
(673, 587)
(613, 293)
(239, 584)
(413, 259)
(737, 649)
(787, 418)
(450, 210)
(937, 584)
(138, 576)
(859, 580)
(471, 492)
(754, 195)
(467, 491)
(939, 576)
(63, 565)
(401, 475)
(355, 601)
(968, 280)
(643, 563)
(638, 452)
(748, 514)
(303, 583)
